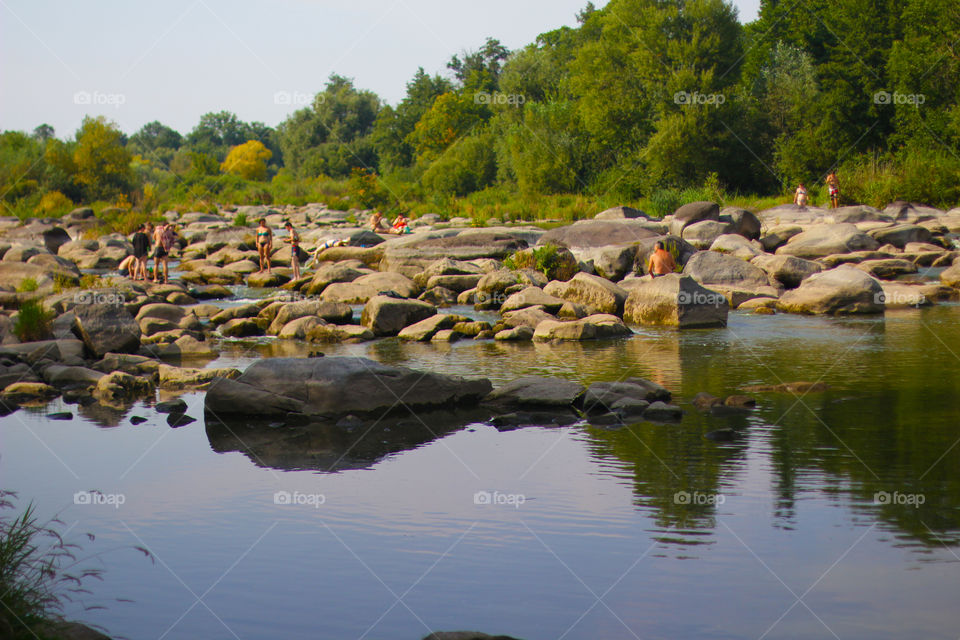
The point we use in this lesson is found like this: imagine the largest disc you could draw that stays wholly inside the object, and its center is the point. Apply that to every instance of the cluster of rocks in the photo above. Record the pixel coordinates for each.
(351, 390)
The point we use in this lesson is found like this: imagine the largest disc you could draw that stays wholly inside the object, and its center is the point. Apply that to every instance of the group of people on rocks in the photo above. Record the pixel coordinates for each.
(801, 199)
(150, 241)
(400, 224)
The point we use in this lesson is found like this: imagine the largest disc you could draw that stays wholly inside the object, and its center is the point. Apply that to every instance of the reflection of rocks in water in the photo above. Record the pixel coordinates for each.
(104, 415)
(327, 446)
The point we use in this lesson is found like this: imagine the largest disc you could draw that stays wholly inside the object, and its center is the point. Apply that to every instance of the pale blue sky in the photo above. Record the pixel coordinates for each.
(173, 61)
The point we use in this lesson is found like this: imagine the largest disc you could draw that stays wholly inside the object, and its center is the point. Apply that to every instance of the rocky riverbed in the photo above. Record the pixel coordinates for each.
(122, 339)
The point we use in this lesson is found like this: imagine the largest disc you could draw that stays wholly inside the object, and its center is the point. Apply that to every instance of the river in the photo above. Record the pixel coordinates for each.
(833, 513)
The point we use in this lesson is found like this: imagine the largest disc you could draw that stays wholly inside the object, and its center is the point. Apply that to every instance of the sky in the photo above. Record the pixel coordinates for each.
(136, 62)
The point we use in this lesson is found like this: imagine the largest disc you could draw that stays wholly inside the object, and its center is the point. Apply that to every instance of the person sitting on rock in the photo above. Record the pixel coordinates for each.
(661, 261)
(800, 197)
(377, 225)
(400, 225)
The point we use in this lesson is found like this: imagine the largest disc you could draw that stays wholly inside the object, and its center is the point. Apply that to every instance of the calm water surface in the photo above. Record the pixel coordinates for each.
(833, 514)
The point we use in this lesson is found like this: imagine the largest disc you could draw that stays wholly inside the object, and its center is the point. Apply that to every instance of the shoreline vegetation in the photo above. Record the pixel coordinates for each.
(720, 111)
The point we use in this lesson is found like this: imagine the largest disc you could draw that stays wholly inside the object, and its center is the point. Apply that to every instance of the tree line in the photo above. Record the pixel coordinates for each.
(640, 100)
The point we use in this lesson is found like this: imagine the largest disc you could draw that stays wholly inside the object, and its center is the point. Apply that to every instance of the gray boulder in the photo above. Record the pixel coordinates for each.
(789, 271)
(387, 316)
(841, 291)
(334, 387)
(675, 300)
(106, 328)
(537, 392)
(710, 267)
(826, 239)
(691, 213)
(601, 233)
(593, 327)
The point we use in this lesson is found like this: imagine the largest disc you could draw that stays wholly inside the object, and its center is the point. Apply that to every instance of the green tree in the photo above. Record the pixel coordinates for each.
(332, 136)
(451, 116)
(394, 125)
(466, 166)
(102, 163)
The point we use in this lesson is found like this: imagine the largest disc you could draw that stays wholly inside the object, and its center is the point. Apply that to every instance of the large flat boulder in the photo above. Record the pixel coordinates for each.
(841, 291)
(675, 300)
(601, 233)
(826, 239)
(332, 387)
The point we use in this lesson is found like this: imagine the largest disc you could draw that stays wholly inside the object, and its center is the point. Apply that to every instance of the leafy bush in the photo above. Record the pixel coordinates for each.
(240, 220)
(54, 202)
(552, 261)
(33, 321)
(926, 176)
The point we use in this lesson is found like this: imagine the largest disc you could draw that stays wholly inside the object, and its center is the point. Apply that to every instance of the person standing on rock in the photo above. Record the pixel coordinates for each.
(141, 249)
(164, 237)
(833, 186)
(800, 197)
(661, 261)
(294, 240)
(264, 244)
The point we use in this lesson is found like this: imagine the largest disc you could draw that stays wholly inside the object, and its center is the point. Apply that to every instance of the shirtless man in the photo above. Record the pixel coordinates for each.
(833, 185)
(661, 262)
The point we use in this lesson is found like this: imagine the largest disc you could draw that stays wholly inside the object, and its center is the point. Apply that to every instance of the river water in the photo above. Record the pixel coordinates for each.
(831, 514)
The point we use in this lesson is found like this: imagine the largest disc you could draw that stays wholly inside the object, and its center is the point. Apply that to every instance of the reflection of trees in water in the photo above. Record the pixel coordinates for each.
(677, 474)
(886, 434)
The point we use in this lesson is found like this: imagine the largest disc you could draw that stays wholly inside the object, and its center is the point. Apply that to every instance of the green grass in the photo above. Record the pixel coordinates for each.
(33, 321)
(40, 572)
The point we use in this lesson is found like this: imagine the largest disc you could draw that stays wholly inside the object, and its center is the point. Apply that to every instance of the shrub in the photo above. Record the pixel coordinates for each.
(33, 321)
(552, 261)
(54, 202)
(27, 285)
(240, 220)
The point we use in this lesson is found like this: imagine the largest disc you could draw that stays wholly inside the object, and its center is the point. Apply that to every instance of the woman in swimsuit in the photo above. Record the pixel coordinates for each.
(264, 243)
(800, 197)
